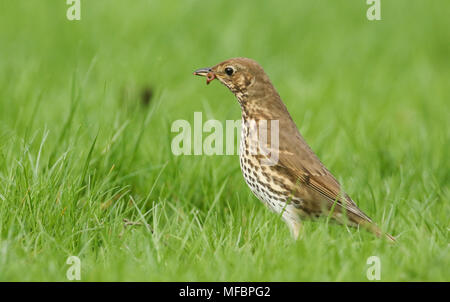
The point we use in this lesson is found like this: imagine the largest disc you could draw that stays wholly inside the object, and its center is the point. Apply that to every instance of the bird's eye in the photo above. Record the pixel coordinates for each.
(229, 71)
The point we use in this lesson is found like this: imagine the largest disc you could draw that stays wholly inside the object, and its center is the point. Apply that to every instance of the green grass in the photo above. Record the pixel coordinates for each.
(79, 153)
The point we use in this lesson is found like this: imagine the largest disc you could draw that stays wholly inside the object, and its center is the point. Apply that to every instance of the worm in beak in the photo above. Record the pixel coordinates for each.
(206, 72)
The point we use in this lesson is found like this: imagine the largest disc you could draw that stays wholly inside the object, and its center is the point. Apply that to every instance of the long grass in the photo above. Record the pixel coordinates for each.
(86, 167)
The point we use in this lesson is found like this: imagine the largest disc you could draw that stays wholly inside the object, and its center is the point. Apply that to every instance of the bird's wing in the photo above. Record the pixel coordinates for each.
(298, 158)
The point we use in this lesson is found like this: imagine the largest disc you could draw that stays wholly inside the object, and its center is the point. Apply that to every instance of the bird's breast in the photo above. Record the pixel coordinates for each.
(264, 181)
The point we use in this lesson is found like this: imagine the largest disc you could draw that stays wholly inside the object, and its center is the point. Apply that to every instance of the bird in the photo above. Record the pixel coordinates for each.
(292, 181)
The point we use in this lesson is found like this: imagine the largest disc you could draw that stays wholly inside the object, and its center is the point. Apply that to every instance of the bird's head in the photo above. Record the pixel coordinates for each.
(240, 75)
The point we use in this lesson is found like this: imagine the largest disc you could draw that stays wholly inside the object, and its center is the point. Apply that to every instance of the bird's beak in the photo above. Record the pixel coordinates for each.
(206, 72)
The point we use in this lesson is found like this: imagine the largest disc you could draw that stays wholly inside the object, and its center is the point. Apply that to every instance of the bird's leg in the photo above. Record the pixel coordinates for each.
(293, 223)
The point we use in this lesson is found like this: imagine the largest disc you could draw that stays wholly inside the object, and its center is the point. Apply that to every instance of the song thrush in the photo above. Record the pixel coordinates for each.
(293, 183)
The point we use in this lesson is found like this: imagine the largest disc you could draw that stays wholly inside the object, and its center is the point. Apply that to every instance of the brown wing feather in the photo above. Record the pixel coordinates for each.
(298, 158)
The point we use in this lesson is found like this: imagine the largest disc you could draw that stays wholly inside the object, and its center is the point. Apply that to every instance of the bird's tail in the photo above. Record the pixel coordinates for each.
(361, 219)
(373, 228)
(390, 237)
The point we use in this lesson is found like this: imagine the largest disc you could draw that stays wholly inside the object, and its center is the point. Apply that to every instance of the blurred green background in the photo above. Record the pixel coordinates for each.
(85, 114)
